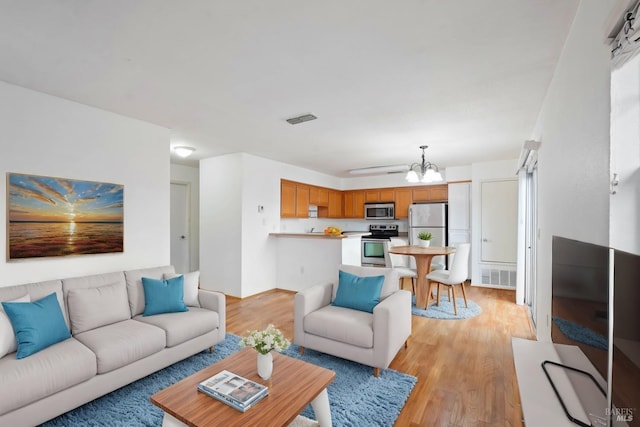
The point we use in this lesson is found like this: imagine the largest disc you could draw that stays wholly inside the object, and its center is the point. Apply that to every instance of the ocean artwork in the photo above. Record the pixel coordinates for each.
(51, 217)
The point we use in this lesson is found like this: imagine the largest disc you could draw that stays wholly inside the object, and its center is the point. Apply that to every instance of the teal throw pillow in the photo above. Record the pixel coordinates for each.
(163, 296)
(37, 324)
(358, 293)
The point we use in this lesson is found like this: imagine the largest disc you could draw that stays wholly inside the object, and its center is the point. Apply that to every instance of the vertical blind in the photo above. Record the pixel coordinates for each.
(627, 42)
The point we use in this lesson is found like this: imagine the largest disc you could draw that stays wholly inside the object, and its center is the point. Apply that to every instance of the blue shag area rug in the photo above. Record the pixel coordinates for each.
(581, 334)
(356, 396)
(445, 309)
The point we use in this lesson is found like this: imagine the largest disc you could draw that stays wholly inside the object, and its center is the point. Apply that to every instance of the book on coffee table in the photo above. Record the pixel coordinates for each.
(234, 390)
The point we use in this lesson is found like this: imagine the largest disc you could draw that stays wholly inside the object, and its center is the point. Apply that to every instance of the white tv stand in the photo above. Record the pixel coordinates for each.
(540, 406)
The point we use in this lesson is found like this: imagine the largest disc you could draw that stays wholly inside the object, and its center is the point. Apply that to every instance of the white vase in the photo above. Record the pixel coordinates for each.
(424, 243)
(265, 365)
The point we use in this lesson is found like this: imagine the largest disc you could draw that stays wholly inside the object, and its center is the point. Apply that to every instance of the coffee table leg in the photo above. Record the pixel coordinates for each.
(321, 409)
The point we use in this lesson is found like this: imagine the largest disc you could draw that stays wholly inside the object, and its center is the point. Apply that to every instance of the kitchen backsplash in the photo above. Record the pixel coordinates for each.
(304, 225)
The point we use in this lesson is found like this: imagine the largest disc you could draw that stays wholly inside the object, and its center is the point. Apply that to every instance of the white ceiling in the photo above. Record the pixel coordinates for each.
(465, 77)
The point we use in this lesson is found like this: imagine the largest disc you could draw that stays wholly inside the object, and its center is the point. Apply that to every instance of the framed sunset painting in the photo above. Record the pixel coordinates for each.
(50, 217)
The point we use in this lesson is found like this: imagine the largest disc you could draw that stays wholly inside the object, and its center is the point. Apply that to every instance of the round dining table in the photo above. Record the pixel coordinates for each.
(423, 256)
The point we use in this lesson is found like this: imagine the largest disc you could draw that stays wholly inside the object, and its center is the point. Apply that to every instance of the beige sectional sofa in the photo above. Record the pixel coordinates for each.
(111, 343)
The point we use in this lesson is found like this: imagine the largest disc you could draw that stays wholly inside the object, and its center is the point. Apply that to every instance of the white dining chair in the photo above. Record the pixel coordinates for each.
(400, 263)
(456, 276)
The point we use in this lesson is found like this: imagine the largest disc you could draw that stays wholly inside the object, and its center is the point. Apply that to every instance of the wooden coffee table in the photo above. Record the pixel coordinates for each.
(292, 386)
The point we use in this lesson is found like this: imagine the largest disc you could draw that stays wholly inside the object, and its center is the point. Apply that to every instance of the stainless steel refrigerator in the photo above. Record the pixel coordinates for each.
(432, 218)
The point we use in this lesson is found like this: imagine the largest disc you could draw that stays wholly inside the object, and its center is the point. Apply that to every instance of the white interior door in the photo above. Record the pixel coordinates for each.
(180, 227)
(499, 211)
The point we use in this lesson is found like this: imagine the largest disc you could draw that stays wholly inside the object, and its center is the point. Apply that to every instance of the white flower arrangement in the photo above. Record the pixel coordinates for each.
(266, 340)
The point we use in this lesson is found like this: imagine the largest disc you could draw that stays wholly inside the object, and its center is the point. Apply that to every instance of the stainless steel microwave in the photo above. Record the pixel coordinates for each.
(380, 210)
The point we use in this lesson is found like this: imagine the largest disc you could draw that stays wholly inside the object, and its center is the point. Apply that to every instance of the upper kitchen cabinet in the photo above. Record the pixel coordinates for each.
(287, 199)
(294, 199)
(335, 204)
(333, 209)
(354, 204)
(379, 195)
(318, 196)
(430, 193)
(403, 198)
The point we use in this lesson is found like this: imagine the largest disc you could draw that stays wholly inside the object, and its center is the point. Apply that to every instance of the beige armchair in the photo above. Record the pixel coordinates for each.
(372, 339)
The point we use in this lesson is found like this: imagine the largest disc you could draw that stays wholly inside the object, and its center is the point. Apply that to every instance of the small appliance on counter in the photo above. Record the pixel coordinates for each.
(373, 245)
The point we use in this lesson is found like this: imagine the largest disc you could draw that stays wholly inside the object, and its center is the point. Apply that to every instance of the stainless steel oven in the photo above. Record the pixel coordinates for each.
(373, 246)
(373, 251)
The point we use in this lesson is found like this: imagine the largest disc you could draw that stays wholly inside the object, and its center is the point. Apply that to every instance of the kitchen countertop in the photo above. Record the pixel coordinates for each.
(321, 235)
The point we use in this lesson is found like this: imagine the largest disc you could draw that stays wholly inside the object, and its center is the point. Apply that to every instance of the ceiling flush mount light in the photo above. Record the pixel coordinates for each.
(183, 151)
(379, 170)
(301, 119)
(423, 172)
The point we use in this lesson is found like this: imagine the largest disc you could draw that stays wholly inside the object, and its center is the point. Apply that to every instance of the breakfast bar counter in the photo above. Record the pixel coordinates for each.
(321, 235)
(306, 259)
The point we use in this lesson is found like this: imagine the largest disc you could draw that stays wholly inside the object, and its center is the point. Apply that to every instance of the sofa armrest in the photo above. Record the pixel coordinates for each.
(308, 301)
(215, 301)
(391, 326)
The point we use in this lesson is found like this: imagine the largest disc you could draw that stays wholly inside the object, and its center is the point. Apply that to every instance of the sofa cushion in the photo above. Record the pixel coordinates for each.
(191, 285)
(51, 370)
(8, 343)
(122, 343)
(391, 282)
(91, 308)
(349, 326)
(358, 293)
(37, 324)
(181, 327)
(134, 285)
(163, 295)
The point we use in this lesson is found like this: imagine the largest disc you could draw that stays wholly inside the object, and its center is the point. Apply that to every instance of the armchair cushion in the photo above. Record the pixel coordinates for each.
(358, 293)
(341, 324)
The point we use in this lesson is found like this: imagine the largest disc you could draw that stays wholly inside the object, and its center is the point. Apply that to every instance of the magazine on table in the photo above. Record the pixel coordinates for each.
(234, 390)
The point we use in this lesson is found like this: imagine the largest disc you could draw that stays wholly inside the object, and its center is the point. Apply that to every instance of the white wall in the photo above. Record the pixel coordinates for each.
(625, 157)
(45, 135)
(190, 176)
(573, 162)
(237, 255)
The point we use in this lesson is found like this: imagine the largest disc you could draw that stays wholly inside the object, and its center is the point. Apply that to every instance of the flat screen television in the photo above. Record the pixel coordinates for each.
(625, 378)
(582, 313)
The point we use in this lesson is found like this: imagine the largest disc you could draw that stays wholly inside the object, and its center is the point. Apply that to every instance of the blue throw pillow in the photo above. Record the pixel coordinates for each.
(358, 293)
(163, 296)
(37, 324)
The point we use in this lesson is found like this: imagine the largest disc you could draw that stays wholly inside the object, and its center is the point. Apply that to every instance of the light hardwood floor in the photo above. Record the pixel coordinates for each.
(465, 370)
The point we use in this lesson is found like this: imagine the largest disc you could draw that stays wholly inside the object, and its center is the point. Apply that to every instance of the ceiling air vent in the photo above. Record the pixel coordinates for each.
(301, 119)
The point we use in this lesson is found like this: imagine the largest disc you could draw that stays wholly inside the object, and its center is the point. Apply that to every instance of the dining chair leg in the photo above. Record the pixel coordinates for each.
(438, 295)
(455, 308)
(464, 294)
(413, 285)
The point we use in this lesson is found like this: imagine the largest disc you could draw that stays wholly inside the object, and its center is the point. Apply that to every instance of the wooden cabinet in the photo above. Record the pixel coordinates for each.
(302, 201)
(319, 196)
(379, 195)
(287, 199)
(354, 204)
(294, 199)
(430, 193)
(403, 198)
(335, 204)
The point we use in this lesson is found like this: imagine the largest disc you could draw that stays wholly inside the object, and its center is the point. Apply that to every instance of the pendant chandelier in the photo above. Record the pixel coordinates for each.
(423, 172)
